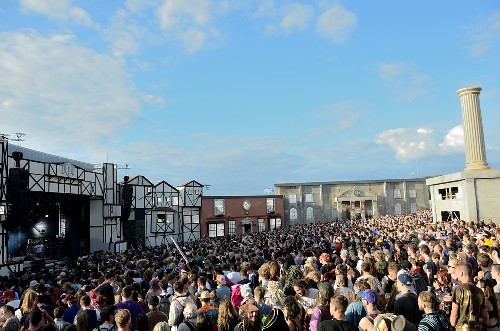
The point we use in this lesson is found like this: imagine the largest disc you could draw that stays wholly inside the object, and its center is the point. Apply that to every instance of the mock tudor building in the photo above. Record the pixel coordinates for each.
(321, 202)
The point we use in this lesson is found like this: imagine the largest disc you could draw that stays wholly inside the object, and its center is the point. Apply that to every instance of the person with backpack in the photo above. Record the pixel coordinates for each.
(108, 319)
(155, 315)
(179, 301)
(190, 316)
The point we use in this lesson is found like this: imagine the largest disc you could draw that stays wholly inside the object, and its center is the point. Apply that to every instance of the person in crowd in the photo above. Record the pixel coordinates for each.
(123, 320)
(356, 310)
(132, 306)
(108, 319)
(338, 307)
(305, 296)
(322, 310)
(294, 313)
(92, 316)
(143, 322)
(249, 318)
(154, 315)
(276, 321)
(81, 320)
(407, 302)
(433, 318)
(468, 307)
(8, 321)
(180, 299)
(227, 317)
(368, 299)
(208, 310)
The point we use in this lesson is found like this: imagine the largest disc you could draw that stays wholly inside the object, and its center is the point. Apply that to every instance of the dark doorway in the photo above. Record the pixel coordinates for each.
(247, 228)
(450, 216)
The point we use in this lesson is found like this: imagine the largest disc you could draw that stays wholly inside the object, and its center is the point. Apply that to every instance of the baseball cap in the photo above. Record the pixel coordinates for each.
(405, 279)
(368, 295)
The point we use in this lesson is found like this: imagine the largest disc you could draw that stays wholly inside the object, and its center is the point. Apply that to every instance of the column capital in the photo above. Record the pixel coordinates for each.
(469, 90)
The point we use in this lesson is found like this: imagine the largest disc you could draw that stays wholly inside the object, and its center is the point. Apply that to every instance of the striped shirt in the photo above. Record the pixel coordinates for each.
(435, 321)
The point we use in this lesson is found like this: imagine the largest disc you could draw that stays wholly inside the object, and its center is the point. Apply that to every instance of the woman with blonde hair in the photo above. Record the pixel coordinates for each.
(228, 317)
(28, 303)
(161, 326)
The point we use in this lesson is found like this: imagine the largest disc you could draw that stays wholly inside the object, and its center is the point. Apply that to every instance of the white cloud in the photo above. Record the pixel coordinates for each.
(407, 82)
(483, 37)
(336, 23)
(72, 99)
(60, 10)
(191, 22)
(338, 117)
(413, 144)
(296, 17)
(453, 141)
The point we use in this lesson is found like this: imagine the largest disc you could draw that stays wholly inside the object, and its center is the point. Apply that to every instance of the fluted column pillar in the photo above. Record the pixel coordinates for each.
(475, 151)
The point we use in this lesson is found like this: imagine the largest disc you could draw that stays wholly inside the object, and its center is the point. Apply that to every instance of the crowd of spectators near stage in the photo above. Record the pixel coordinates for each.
(396, 272)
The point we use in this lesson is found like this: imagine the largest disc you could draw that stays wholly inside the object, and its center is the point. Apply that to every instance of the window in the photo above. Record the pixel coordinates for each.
(274, 223)
(413, 208)
(292, 198)
(449, 193)
(262, 225)
(158, 201)
(270, 205)
(232, 227)
(216, 230)
(165, 222)
(309, 197)
(412, 193)
(218, 207)
(293, 214)
(191, 219)
(397, 209)
(397, 193)
(310, 214)
(175, 201)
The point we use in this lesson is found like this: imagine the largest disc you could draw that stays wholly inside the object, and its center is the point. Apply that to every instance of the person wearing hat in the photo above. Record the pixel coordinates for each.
(368, 299)
(155, 315)
(275, 321)
(249, 316)
(433, 319)
(407, 301)
(206, 298)
(401, 323)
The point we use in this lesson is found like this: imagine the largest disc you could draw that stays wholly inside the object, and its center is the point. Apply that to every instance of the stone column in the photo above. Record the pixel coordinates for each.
(475, 151)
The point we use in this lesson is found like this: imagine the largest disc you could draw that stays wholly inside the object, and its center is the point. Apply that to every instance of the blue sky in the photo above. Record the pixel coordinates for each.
(243, 94)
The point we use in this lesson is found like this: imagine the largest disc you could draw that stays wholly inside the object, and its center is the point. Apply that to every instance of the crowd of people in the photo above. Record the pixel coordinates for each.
(396, 272)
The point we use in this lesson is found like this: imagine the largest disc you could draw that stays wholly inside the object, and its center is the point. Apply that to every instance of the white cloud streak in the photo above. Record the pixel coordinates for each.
(413, 144)
(71, 98)
(59, 10)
